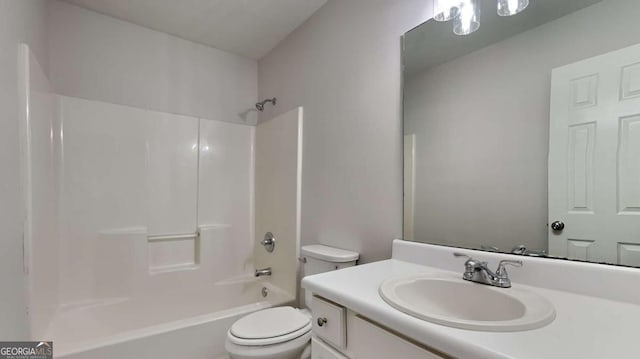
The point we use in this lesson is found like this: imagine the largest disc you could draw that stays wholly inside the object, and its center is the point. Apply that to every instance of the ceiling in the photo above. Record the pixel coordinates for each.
(434, 43)
(249, 28)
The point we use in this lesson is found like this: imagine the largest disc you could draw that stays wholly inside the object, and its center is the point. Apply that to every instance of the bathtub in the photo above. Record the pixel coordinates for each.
(181, 325)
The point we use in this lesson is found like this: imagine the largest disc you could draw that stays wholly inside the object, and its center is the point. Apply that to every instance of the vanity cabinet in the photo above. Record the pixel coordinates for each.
(320, 350)
(329, 322)
(369, 340)
(345, 334)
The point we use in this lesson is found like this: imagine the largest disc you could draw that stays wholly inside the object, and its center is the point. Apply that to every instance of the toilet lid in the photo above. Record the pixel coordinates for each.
(269, 323)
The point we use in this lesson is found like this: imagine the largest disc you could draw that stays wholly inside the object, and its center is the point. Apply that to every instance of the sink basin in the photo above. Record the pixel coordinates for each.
(462, 304)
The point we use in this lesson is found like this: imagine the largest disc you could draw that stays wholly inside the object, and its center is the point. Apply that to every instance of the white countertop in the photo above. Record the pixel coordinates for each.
(585, 327)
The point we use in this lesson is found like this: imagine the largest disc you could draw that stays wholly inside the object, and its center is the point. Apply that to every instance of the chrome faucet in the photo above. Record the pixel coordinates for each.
(523, 250)
(479, 272)
(262, 272)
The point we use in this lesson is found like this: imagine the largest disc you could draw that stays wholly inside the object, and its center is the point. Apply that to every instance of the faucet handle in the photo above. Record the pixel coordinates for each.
(519, 249)
(471, 264)
(489, 248)
(502, 271)
(456, 254)
(469, 259)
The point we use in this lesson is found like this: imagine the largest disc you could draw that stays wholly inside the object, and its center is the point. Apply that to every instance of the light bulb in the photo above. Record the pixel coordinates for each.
(468, 20)
(511, 7)
(445, 10)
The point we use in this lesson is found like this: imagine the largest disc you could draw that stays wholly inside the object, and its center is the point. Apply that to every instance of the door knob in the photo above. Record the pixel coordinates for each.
(557, 226)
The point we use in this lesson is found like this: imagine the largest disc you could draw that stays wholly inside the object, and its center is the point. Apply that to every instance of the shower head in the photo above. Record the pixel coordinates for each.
(260, 105)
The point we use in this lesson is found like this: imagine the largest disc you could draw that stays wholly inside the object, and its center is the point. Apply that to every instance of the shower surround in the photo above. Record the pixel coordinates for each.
(140, 225)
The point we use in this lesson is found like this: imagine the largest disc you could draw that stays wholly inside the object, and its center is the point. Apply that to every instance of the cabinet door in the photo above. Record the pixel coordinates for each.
(320, 350)
(368, 341)
(329, 322)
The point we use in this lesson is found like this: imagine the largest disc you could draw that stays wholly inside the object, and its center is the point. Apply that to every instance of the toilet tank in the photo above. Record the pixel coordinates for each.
(318, 258)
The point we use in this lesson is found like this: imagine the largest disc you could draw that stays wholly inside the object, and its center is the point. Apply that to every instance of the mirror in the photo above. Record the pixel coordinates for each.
(530, 122)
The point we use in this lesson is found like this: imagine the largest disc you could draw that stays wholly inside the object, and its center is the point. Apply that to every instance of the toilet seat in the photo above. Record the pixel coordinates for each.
(269, 327)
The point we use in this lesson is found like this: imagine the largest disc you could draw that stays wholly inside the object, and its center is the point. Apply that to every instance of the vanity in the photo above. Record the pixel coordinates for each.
(596, 310)
(521, 147)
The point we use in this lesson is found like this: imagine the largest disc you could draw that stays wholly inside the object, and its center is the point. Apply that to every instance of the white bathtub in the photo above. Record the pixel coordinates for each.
(181, 325)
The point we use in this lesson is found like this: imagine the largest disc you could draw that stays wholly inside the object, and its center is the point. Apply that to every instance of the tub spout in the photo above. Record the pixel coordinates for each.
(261, 272)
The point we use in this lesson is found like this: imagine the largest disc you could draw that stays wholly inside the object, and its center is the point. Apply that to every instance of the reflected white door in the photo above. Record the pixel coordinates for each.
(409, 185)
(594, 159)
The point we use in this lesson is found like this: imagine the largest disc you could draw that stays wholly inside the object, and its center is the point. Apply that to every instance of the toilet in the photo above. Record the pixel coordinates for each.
(285, 332)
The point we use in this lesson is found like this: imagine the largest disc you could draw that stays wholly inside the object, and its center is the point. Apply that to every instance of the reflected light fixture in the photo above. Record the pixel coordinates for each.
(466, 13)
(445, 10)
(468, 20)
(511, 7)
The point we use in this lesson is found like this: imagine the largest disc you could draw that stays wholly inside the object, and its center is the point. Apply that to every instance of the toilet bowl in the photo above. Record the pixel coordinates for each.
(284, 332)
(275, 333)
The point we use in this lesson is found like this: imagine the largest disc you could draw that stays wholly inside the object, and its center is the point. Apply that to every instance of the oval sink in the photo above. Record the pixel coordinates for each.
(466, 305)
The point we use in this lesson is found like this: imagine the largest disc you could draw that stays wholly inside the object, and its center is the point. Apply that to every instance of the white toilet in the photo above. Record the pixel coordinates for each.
(285, 332)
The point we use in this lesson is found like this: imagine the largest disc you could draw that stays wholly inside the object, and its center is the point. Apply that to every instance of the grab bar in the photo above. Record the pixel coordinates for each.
(172, 237)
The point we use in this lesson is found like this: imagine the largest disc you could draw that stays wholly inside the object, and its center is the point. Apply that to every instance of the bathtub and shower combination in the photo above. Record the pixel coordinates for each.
(142, 228)
(189, 325)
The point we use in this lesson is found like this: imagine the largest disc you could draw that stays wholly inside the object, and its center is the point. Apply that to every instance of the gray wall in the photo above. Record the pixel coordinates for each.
(343, 66)
(481, 125)
(20, 21)
(98, 57)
